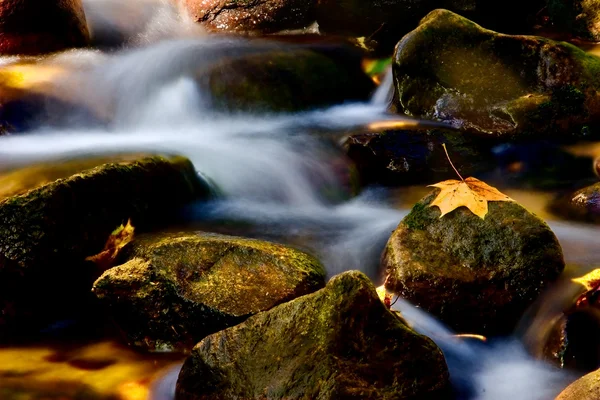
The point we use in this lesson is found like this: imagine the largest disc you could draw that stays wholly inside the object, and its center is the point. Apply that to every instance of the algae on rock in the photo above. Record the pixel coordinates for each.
(476, 275)
(176, 288)
(338, 343)
(515, 87)
(53, 217)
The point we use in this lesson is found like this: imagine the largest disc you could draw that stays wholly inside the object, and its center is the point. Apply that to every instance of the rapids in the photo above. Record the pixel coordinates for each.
(269, 172)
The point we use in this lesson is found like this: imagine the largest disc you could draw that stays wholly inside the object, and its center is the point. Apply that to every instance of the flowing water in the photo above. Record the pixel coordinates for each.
(273, 174)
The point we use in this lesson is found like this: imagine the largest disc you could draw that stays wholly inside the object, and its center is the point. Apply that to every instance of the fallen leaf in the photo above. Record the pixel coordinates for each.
(116, 241)
(384, 296)
(471, 193)
(591, 282)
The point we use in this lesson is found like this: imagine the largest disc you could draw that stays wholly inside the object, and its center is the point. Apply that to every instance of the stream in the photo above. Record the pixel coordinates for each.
(273, 176)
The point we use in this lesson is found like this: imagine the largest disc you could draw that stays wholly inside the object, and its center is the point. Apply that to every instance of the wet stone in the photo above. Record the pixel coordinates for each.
(37, 27)
(338, 343)
(173, 289)
(476, 275)
(54, 216)
(515, 87)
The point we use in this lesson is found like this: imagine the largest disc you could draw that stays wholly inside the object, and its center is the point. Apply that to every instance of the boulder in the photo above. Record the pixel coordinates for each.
(581, 205)
(338, 343)
(36, 27)
(516, 87)
(54, 216)
(476, 275)
(251, 15)
(177, 288)
(384, 22)
(586, 388)
(403, 157)
(578, 18)
(291, 79)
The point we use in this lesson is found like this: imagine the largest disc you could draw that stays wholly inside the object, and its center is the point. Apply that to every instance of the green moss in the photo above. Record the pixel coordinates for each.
(200, 283)
(339, 342)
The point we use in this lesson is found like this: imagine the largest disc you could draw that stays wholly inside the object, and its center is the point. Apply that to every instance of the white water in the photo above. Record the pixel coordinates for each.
(270, 170)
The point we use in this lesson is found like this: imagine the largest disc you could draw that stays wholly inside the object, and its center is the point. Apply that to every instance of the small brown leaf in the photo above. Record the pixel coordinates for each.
(116, 241)
(471, 193)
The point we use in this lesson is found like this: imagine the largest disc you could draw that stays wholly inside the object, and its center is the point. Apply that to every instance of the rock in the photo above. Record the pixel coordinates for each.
(476, 275)
(338, 343)
(267, 16)
(33, 27)
(579, 18)
(405, 157)
(54, 216)
(586, 388)
(175, 289)
(285, 80)
(573, 342)
(582, 205)
(515, 87)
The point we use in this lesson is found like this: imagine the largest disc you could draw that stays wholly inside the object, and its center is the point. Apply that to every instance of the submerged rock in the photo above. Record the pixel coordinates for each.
(583, 205)
(574, 340)
(450, 69)
(407, 156)
(476, 275)
(54, 216)
(586, 388)
(338, 343)
(265, 16)
(175, 289)
(36, 27)
(579, 18)
(285, 80)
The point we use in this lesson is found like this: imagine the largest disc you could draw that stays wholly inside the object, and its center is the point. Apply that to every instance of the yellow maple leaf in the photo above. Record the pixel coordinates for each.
(471, 193)
(590, 281)
(116, 241)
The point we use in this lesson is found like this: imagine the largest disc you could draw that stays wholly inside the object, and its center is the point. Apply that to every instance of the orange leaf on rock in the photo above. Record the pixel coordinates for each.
(116, 241)
(471, 193)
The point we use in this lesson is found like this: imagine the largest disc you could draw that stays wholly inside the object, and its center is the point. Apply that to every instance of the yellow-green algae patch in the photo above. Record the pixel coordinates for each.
(175, 288)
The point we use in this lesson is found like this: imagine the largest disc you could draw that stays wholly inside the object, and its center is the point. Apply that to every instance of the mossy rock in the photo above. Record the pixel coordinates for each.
(404, 157)
(578, 18)
(476, 275)
(338, 343)
(516, 87)
(54, 216)
(582, 205)
(285, 80)
(586, 388)
(177, 288)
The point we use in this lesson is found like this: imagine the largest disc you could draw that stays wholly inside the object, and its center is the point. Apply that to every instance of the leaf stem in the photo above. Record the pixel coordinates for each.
(453, 167)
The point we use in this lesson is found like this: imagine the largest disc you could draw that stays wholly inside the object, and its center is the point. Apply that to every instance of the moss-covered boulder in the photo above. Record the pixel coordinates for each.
(54, 216)
(36, 27)
(285, 80)
(578, 18)
(586, 388)
(384, 22)
(476, 275)
(338, 343)
(177, 288)
(451, 69)
(251, 15)
(582, 205)
(405, 157)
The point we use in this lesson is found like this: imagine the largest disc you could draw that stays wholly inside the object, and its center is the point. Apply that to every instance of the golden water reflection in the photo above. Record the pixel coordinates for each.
(96, 371)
